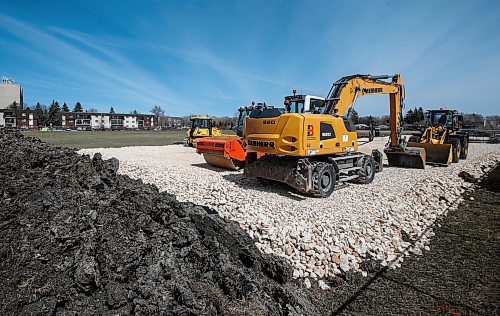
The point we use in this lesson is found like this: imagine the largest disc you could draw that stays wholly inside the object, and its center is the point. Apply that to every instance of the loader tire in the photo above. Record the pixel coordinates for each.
(455, 149)
(465, 149)
(324, 179)
(367, 171)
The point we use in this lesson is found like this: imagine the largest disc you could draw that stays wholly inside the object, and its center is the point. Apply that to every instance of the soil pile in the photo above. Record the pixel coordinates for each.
(76, 238)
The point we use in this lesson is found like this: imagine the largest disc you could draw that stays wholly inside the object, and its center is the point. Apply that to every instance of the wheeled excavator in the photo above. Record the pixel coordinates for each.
(442, 139)
(315, 149)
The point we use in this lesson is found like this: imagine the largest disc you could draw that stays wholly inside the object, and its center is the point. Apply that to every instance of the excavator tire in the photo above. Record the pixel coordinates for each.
(367, 171)
(455, 149)
(465, 149)
(324, 179)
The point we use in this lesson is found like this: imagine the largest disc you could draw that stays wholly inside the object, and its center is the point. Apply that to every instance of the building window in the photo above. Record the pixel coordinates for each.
(24, 114)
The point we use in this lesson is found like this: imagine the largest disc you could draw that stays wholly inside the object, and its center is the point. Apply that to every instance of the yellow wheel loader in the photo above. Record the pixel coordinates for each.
(201, 126)
(314, 146)
(441, 138)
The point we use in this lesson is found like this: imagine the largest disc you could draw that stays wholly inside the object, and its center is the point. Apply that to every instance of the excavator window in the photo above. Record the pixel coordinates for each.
(317, 106)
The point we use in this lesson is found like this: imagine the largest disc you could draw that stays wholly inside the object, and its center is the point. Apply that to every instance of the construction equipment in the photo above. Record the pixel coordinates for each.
(227, 151)
(201, 126)
(441, 139)
(313, 146)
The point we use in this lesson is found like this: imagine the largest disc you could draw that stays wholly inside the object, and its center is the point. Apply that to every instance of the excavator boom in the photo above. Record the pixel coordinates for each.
(344, 93)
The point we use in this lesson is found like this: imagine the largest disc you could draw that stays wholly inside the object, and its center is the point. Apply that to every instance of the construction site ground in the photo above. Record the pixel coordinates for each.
(78, 238)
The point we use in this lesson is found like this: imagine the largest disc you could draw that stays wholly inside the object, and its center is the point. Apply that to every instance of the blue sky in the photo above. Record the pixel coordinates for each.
(210, 57)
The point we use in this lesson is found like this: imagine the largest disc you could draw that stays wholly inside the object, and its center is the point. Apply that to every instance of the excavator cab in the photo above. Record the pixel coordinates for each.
(303, 103)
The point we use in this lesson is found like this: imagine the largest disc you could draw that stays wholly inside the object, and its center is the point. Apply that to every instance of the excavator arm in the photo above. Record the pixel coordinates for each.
(343, 95)
(346, 90)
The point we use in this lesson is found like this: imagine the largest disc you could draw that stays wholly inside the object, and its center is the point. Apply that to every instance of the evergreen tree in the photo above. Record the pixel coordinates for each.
(111, 110)
(78, 107)
(55, 114)
(353, 115)
(92, 110)
(39, 113)
(421, 116)
(134, 112)
(409, 117)
(65, 107)
(14, 106)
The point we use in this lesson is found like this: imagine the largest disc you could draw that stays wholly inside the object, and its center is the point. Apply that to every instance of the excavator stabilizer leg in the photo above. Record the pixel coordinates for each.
(409, 158)
(435, 153)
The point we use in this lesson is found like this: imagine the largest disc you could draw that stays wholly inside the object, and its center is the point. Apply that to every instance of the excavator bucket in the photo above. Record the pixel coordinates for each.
(435, 153)
(409, 158)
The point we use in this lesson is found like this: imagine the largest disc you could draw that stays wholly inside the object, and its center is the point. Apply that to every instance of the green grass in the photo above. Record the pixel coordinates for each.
(97, 139)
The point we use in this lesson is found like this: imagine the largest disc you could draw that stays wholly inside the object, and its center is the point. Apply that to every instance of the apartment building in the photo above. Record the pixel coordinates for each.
(24, 119)
(98, 121)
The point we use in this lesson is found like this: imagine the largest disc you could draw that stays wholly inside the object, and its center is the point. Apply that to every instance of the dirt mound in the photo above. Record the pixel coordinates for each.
(76, 238)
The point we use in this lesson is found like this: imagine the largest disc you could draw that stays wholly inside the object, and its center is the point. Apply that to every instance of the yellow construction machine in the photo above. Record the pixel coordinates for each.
(442, 140)
(201, 126)
(314, 146)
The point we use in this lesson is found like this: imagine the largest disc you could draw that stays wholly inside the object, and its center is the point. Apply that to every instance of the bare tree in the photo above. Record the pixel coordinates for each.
(158, 111)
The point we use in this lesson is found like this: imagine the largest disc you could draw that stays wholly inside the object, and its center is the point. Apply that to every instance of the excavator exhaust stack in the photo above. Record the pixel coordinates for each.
(407, 158)
(440, 154)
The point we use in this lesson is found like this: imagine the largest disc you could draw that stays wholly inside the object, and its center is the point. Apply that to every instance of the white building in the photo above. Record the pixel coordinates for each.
(10, 93)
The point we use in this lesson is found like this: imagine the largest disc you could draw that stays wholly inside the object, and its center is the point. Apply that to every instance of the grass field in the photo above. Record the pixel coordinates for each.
(98, 139)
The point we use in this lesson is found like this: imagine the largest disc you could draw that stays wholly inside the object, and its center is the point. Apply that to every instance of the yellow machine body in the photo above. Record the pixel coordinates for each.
(302, 135)
(442, 139)
(314, 147)
(433, 141)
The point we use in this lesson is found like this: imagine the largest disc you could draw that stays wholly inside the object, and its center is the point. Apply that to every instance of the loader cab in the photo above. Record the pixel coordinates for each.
(445, 118)
(201, 122)
(304, 104)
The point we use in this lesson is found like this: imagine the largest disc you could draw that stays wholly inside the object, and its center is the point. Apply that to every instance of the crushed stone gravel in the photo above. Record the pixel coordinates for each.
(319, 237)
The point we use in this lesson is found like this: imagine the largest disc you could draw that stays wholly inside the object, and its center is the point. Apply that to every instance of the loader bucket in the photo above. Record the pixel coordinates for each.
(435, 153)
(409, 158)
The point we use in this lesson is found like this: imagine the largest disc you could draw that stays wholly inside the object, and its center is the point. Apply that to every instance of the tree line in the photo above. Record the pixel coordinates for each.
(416, 117)
(51, 115)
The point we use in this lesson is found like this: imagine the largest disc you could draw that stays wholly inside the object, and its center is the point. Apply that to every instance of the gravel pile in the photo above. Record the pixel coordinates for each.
(78, 239)
(357, 225)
